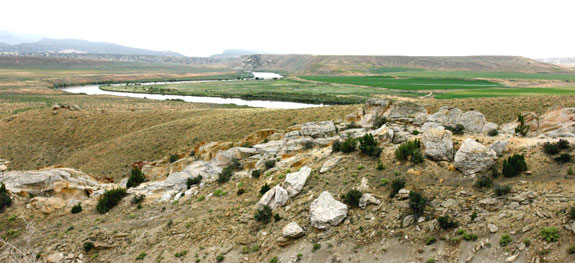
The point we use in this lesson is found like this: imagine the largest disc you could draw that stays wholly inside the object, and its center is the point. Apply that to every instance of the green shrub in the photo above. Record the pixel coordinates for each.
(235, 164)
(173, 158)
(396, 185)
(181, 253)
(505, 240)
(430, 260)
(269, 164)
(430, 240)
(521, 129)
(138, 199)
(501, 190)
(274, 260)
(380, 166)
(277, 217)
(493, 132)
(136, 177)
(415, 132)
(77, 208)
(564, 158)
(550, 148)
(494, 171)
(193, 181)
(409, 150)
(264, 215)
(483, 181)
(378, 122)
(347, 146)
(109, 199)
(226, 174)
(514, 165)
(264, 189)
(572, 213)
(368, 145)
(315, 247)
(383, 182)
(141, 256)
(469, 236)
(563, 144)
(241, 191)
(417, 203)
(5, 200)
(88, 246)
(352, 197)
(550, 234)
(457, 130)
(220, 192)
(220, 258)
(445, 222)
(571, 250)
(256, 173)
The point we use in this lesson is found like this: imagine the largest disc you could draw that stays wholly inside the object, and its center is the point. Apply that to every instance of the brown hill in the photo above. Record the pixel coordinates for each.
(311, 64)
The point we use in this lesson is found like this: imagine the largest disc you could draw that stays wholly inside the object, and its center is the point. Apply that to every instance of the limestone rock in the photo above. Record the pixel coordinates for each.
(438, 144)
(353, 133)
(473, 121)
(292, 230)
(430, 125)
(473, 157)
(405, 110)
(367, 199)
(492, 228)
(489, 126)
(383, 134)
(275, 197)
(325, 211)
(330, 164)
(446, 116)
(294, 182)
(407, 221)
(373, 108)
(318, 129)
(500, 147)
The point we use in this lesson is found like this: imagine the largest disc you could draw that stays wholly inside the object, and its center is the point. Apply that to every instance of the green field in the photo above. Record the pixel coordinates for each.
(507, 92)
(491, 75)
(411, 84)
(281, 90)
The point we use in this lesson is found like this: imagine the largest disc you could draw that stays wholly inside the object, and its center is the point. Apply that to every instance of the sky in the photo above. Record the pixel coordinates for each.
(535, 29)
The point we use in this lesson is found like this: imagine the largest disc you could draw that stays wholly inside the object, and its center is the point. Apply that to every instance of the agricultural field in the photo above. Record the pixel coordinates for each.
(411, 84)
(507, 92)
(281, 90)
(476, 74)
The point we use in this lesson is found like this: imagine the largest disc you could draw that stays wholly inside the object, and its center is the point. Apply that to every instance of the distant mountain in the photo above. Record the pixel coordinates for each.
(76, 46)
(236, 53)
(11, 38)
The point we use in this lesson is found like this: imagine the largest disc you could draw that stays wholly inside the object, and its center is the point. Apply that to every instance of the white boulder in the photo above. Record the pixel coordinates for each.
(325, 211)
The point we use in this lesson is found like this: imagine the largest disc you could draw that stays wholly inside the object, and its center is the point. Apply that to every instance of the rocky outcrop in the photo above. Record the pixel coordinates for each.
(446, 116)
(66, 183)
(473, 157)
(473, 121)
(367, 199)
(207, 170)
(295, 182)
(373, 108)
(438, 144)
(275, 197)
(559, 122)
(383, 135)
(500, 147)
(353, 133)
(405, 110)
(326, 212)
(322, 129)
(4, 165)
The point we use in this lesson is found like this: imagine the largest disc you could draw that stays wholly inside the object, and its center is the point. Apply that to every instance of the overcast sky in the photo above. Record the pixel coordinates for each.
(535, 29)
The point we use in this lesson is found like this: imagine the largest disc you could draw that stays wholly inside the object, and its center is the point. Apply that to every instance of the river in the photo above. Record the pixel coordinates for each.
(95, 90)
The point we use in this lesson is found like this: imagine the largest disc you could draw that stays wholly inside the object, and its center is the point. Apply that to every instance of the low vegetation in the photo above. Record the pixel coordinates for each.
(77, 208)
(514, 165)
(410, 150)
(368, 145)
(264, 215)
(110, 199)
(5, 199)
(396, 185)
(347, 146)
(445, 222)
(136, 177)
(352, 197)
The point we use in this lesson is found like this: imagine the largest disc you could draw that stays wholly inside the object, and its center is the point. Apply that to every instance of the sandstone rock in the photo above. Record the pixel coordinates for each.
(420, 119)
(559, 122)
(383, 135)
(292, 230)
(413, 171)
(269, 148)
(353, 133)
(500, 147)
(407, 221)
(55, 257)
(223, 158)
(438, 144)
(488, 127)
(429, 125)
(66, 183)
(318, 129)
(405, 110)
(446, 116)
(208, 151)
(295, 182)
(275, 197)
(473, 121)
(492, 228)
(512, 258)
(354, 117)
(473, 157)
(373, 108)
(367, 199)
(330, 164)
(325, 211)
(207, 170)
(257, 137)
